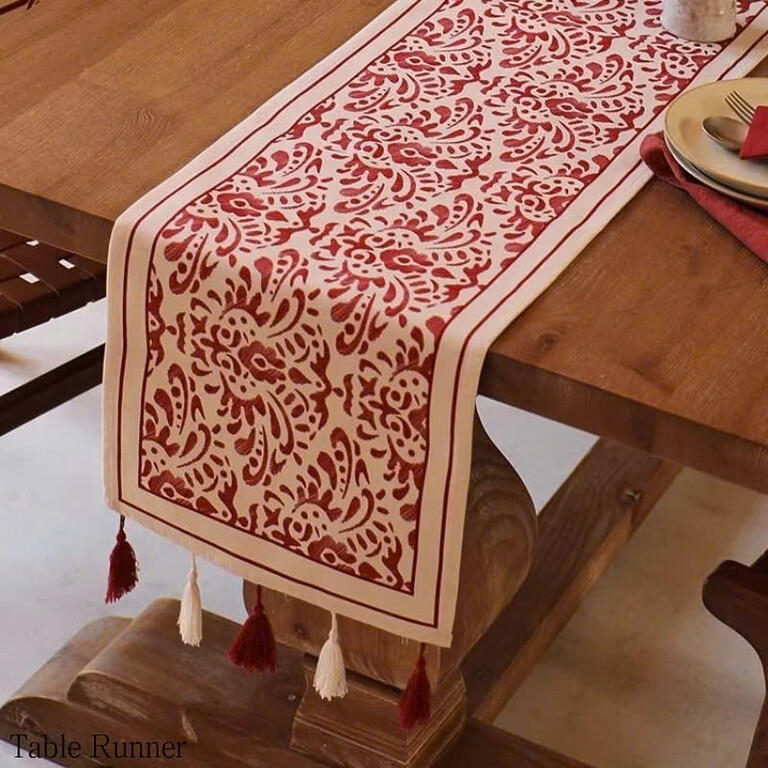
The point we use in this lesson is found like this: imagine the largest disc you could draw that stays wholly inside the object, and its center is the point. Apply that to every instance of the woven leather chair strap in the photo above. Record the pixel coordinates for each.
(38, 282)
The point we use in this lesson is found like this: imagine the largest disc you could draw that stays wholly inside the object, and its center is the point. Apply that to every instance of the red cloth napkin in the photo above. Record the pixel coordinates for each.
(748, 224)
(755, 146)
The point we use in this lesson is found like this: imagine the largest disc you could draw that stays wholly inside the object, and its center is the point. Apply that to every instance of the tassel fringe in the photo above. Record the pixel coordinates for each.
(254, 649)
(123, 568)
(191, 611)
(330, 675)
(416, 703)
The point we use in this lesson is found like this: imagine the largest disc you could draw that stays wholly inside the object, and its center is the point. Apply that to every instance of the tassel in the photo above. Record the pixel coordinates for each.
(416, 703)
(123, 568)
(191, 612)
(330, 675)
(254, 648)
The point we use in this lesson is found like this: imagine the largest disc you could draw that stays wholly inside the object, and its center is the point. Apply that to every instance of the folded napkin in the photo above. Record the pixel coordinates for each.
(755, 146)
(748, 224)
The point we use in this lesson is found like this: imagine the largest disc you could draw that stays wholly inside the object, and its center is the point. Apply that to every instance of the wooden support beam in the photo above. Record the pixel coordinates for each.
(484, 745)
(50, 390)
(581, 530)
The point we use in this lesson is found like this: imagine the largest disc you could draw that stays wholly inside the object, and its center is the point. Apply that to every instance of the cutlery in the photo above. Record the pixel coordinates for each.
(740, 106)
(726, 131)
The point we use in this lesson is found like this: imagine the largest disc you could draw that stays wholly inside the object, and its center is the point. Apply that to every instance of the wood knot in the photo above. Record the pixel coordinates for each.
(300, 631)
(480, 671)
(548, 340)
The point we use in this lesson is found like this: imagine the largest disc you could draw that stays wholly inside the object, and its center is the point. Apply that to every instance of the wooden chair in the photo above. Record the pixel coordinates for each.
(38, 283)
(738, 595)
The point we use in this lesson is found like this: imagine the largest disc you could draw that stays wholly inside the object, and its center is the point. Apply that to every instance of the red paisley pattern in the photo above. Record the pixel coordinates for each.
(294, 310)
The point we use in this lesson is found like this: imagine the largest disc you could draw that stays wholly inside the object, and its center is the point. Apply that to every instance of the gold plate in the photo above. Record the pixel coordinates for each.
(685, 134)
(756, 202)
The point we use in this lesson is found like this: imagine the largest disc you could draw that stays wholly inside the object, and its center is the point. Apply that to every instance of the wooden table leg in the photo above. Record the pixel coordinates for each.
(362, 728)
(581, 530)
(738, 595)
(498, 548)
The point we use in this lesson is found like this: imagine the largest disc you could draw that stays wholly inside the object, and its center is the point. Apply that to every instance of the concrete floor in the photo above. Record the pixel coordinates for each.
(642, 676)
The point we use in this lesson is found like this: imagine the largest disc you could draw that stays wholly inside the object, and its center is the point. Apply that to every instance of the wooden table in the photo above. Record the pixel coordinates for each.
(656, 338)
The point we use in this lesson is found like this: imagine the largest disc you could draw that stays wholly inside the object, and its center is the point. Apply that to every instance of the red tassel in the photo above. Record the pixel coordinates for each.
(254, 648)
(123, 568)
(416, 703)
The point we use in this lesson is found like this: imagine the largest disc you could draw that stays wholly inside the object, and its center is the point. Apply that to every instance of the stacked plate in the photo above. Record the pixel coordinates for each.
(703, 158)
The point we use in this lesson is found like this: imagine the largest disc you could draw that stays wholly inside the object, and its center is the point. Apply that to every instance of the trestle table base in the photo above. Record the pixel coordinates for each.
(135, 681)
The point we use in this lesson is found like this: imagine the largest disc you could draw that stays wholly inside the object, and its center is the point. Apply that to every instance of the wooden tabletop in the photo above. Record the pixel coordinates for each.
(656, 336)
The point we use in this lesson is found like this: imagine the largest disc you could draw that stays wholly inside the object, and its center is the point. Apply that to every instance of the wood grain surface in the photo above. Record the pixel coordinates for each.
(361, 730)
(483, 746)
(133, 680)
(657, 336)
(100, 100)
(581, 530)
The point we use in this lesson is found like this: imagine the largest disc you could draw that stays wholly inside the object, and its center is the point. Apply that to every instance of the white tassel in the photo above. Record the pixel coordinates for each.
(191, 612)
(330, 675)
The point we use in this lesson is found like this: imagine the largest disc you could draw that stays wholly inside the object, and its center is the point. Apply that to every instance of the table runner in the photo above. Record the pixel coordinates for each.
(298, 317)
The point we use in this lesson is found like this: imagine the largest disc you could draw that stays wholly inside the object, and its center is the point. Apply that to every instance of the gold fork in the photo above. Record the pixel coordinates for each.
(741, 107)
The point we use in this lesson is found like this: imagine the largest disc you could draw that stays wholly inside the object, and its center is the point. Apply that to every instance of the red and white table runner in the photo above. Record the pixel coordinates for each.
(298, 317)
